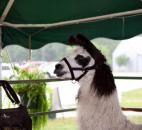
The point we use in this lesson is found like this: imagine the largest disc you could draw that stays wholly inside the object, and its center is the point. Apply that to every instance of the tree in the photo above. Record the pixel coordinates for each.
(50, 52)
(14, 53)
(122, 60)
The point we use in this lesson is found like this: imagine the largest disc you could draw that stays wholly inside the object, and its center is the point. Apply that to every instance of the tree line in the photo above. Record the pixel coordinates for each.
(54, 51)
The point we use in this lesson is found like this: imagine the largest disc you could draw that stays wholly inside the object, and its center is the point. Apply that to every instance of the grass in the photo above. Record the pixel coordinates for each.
(62, 124)
(132, 98)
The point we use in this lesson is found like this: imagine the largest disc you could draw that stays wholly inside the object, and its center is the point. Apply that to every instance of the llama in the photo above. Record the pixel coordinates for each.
(98, 105)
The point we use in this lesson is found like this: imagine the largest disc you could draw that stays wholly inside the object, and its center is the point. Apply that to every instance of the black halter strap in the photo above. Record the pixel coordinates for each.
(72, 69)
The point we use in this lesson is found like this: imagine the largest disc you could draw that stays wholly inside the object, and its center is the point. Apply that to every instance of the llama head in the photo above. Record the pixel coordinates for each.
(86, 58)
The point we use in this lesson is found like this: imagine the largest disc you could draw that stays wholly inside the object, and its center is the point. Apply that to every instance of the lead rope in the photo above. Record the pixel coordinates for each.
(70, 68)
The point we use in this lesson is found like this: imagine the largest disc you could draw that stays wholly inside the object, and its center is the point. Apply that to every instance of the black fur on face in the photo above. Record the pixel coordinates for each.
(81, 60)
(103, 81)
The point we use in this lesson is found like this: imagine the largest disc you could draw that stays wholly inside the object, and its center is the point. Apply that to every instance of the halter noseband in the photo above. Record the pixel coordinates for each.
(84, 70)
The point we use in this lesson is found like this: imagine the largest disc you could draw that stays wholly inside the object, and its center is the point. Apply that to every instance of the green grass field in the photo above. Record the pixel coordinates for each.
(129, 99)
(62, 124)
(132, 98)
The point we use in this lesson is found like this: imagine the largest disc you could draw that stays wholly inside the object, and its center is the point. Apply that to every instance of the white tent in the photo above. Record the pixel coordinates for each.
(132, 50)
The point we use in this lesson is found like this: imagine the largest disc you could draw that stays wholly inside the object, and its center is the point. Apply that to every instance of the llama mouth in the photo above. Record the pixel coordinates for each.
(59, 73)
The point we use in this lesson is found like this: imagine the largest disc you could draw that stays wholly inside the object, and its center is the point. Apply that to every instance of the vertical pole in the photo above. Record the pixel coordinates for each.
(0, 66)
(2, 18)
(30, 50)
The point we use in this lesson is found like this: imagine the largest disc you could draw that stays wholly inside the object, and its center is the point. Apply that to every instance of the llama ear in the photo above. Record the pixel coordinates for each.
(72, 40)
(82, 40)
(78, 40)
(85, 42)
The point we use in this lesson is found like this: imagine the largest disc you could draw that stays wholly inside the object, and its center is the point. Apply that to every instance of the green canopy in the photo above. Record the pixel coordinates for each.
(34, 23)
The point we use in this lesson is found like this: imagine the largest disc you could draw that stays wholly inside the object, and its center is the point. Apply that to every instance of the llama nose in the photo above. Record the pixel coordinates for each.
(58, 68)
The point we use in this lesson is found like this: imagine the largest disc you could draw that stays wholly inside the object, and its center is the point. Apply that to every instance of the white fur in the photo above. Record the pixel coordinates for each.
(94, 112)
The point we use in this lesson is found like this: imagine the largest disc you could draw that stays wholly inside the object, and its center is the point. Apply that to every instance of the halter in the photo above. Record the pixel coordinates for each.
(84, 70)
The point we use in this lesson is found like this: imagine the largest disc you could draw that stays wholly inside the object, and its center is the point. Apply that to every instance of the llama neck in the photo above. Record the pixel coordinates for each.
(104, 102)
(101, 110)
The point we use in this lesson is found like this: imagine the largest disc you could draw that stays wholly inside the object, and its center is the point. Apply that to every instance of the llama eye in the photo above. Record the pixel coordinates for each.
(81, 60)
(79, 57)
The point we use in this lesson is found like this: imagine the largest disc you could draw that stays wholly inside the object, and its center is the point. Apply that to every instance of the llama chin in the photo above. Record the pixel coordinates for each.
(98, 105)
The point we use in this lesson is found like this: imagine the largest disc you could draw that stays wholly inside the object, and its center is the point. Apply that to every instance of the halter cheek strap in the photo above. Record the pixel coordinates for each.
(72, 69)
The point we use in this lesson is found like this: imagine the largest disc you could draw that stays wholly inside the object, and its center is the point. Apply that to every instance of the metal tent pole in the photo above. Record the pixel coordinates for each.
(76, 21)
(2, 18)
(6, 10)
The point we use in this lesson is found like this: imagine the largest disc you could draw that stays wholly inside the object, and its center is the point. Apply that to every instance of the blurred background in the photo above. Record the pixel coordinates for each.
(18, 63)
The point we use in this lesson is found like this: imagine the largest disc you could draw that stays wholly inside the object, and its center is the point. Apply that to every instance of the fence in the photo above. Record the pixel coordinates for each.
(73, 109)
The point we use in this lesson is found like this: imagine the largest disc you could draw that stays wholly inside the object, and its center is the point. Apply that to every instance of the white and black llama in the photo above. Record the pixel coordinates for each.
(98, 105)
